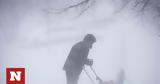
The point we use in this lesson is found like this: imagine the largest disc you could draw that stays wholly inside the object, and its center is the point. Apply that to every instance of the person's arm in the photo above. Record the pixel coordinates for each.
(89, 62)
(85, 57)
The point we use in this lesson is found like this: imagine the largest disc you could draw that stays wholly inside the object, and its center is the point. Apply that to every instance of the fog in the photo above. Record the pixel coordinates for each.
(34, 36)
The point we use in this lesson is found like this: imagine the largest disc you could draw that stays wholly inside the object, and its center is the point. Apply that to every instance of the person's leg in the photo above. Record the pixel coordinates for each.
(72, 77)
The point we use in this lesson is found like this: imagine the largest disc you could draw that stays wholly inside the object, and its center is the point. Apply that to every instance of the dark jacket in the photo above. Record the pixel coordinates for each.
(77, 57)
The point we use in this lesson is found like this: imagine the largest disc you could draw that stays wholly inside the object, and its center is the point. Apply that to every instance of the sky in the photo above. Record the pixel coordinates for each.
(34, 36)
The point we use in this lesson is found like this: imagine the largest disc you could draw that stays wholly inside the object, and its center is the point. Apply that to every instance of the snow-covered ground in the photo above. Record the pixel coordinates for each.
(40, 41)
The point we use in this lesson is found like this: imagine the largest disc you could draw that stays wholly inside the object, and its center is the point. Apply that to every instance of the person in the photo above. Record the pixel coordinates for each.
(77, 58)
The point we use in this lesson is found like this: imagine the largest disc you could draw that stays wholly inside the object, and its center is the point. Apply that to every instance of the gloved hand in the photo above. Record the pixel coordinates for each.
(89, 62)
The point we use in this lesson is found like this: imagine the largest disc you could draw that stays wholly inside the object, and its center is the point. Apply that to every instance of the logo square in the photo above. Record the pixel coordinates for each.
(15, 75)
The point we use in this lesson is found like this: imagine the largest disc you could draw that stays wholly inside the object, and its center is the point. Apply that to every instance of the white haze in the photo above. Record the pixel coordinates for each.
(34, 37)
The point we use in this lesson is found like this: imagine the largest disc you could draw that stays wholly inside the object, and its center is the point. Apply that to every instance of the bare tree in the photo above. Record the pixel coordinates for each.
(84, 5)
(141, 4)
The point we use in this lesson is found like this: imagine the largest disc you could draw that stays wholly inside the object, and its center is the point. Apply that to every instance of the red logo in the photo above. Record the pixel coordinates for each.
(15, 76)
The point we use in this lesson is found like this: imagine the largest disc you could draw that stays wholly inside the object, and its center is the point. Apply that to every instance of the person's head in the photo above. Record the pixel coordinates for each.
(89, 39)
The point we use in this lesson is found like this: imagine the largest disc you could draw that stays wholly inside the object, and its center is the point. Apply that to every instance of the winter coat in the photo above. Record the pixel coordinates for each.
(77, 57)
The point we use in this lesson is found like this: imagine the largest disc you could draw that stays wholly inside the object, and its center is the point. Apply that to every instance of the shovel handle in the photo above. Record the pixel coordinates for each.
(88, 76)
(97, 77)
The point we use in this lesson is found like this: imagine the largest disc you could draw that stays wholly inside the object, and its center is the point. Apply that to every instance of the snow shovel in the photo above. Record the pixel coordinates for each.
(88, 76)
(97, 77)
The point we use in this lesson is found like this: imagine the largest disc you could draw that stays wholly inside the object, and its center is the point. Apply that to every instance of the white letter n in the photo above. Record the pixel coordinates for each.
(15, 75)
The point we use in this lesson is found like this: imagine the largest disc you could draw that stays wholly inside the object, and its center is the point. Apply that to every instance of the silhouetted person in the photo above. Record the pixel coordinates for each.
(77, 58)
